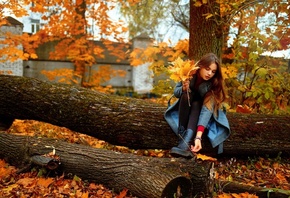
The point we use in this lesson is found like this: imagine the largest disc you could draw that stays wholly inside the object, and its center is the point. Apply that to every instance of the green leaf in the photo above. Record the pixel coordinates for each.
(76, 178)
(262, 72)
(267, 95)
(249, 94)
(255, 93)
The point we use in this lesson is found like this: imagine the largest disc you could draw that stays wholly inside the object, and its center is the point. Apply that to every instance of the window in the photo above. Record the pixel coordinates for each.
(35, 27)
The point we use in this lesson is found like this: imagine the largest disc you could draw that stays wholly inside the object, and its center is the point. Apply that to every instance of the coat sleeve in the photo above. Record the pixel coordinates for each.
(178, 90)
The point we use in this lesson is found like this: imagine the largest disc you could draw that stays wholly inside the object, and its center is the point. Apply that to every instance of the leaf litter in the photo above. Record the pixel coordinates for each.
(259, 171)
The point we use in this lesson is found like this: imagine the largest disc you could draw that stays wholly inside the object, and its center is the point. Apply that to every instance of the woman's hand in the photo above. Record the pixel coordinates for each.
(185, 85)
(197, 146)
(197, 142)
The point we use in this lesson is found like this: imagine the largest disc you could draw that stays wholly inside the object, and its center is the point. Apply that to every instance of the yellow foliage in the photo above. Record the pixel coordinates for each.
(181, 70)
(182, 45)
(197, 4)
(230, 71)
(136, 62)
(205, 157)
(98, 51)
(33, 56)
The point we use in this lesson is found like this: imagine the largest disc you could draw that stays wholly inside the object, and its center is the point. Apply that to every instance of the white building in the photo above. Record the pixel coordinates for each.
(9, 67)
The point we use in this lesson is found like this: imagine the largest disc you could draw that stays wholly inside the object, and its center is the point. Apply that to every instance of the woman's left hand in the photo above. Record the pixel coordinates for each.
(197, 146)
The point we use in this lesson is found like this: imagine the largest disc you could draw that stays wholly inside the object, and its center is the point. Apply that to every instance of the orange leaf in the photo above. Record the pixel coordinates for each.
(197, 4)
(4, 172)
(26, 182)
(122, 194)
(235, 195)
(243, 109)
(33, 56)
(204, 157)
(85, 195)
(100, 192)
(45, 182)
(281, 178)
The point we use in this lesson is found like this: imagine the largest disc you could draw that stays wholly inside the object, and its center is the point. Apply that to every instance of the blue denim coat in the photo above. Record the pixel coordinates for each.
(217, 124)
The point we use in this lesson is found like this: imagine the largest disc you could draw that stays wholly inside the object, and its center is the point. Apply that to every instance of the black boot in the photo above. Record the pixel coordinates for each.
(183, 148)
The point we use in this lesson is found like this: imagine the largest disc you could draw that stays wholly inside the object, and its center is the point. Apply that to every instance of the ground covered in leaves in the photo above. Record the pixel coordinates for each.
(260, 172)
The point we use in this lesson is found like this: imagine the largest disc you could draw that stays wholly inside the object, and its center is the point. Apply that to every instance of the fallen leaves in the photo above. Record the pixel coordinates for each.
(45, 182)
(30, 185)
(235, 195)
(260, 172)
(5, 169)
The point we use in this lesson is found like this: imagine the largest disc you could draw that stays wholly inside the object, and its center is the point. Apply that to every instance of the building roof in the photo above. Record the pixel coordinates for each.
(13, 21)
(44, 50)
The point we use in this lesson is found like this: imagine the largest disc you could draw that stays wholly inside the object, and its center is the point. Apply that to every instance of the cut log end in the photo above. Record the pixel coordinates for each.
(178, 187)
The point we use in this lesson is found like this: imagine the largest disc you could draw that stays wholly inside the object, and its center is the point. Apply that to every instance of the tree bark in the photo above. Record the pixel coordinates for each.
(142, 176)
(206, 35)
(235, 187)
(134, 123)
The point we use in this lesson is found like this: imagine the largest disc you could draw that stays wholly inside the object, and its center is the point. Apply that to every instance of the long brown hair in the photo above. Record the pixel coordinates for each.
(217, 92)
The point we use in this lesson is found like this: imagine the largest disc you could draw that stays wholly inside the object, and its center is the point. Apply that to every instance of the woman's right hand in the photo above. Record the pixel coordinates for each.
(185, 85)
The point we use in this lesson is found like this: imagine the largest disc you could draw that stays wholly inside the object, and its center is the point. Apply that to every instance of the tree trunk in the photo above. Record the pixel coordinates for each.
(205, 35)
(142, 176)
(235, 187)
(130, 122)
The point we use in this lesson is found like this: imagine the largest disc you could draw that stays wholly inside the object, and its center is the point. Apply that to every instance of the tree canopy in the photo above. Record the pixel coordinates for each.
(241, 32)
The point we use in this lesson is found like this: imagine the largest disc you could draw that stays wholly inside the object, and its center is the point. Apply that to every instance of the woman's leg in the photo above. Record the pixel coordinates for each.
(184, 111)
(185, 134)
(194, 115)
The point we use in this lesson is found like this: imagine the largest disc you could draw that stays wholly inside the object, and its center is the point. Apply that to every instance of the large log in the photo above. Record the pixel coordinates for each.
(142, 176)
(134, 123)
(235, 187)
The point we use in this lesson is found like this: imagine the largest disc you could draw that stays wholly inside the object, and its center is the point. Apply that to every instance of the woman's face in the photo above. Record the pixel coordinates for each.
(207, 73)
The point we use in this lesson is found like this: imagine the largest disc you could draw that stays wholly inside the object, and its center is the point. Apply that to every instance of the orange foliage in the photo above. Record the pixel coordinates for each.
(96, 77)
(285, 42)
(243, 109)
(73, 25)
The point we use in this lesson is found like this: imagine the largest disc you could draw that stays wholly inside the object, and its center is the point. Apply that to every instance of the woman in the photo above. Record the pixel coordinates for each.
(199, 108)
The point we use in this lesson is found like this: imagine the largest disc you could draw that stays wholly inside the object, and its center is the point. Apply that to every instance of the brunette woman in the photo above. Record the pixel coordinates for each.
(199, 109)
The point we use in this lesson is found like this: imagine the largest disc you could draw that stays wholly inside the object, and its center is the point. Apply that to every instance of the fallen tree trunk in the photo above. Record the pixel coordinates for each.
(130, 122)
(235, 187)
(142, 176)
